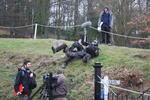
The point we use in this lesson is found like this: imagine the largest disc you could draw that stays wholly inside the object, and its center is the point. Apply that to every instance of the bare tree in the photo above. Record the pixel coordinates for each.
(148, 4)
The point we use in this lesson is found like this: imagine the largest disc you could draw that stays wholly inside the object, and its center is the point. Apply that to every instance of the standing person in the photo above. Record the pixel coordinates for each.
(59, 90)
(105, 24)
(25, 81)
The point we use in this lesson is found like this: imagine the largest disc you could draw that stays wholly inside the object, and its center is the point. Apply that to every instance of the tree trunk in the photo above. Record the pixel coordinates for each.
(76, 15)
(148, 5)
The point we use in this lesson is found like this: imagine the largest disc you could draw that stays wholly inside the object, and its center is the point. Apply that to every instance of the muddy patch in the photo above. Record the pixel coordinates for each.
(142, 56)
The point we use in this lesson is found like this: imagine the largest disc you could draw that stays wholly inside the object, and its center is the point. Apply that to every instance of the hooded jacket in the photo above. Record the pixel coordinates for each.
(106, 18)
(60, 88)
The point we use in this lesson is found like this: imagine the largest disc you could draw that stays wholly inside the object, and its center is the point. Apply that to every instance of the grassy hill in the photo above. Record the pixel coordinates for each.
(79, 75)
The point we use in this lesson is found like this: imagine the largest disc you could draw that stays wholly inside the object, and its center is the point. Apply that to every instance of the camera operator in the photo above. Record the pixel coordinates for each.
(59, 90)
(92, 50)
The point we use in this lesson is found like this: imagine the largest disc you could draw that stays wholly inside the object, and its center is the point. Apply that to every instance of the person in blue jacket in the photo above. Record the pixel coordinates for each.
(105, 24)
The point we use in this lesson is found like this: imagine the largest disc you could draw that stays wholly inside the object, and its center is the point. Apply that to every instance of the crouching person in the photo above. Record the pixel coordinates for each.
(59, 90)
(24, 82)
(92, 50)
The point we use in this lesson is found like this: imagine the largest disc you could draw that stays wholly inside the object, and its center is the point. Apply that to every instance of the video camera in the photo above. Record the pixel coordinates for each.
(50, 79)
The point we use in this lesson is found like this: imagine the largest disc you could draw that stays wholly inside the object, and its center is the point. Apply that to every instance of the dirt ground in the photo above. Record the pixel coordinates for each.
(130, 78)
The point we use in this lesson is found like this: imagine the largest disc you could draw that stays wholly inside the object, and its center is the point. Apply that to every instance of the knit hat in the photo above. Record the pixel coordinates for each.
(106, 8)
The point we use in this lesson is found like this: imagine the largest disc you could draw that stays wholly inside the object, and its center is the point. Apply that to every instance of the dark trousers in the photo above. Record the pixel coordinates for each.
(69, 59)
(72, 55)
(61, 47)
(105, 35)
(21, 97)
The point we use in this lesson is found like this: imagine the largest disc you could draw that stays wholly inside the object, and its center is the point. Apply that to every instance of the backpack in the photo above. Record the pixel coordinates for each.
(31, 82)
(20, 88)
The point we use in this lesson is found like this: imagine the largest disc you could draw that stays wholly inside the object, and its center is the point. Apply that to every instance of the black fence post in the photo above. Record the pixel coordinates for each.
(97, 67)
(126, 97)
(112, 97)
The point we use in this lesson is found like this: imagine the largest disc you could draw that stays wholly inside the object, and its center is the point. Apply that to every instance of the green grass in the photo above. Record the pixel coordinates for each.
(29, 46)
(78, 74)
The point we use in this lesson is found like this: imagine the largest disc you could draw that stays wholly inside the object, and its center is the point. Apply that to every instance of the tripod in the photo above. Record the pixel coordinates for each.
(45, 88)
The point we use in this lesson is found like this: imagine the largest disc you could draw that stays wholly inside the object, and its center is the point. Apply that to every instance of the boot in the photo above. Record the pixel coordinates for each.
(59, 48)
(53, 49)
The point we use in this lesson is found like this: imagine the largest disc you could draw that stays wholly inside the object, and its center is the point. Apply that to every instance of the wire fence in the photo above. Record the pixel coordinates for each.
(69, 33)
(111, 96)
(17, 32)
(122, 93)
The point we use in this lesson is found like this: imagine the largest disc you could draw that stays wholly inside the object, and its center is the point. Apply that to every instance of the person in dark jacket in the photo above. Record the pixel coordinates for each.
(76, 46)
(91, 50)
(59, 90)
(105, 24)
(75, 51)
(25, 81)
